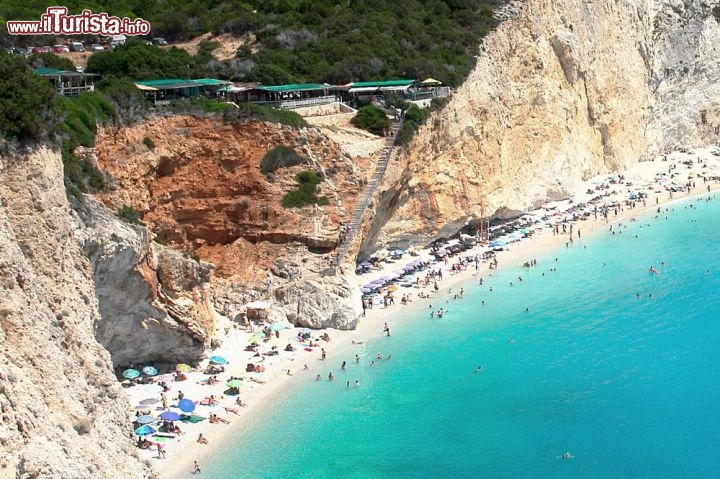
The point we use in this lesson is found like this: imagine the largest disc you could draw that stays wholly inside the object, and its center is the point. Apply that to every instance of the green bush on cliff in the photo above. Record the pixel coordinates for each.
(280, 156)
(25, 100)
(254, 112)
(306, 194)
(78, 118)
(414, 117)
(130, 215)
(372, 119)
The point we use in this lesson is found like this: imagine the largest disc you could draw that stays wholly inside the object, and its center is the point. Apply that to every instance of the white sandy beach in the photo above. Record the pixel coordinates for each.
(182, 451)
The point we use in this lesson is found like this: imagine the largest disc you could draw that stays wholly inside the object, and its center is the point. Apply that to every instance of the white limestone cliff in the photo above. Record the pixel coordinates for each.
(62, 411)
(562, 91)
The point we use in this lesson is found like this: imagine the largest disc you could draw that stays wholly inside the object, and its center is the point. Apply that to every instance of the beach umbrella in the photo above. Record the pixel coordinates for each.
(144, 430)
(149, 370)
(183, 368)
(149, 401)
(170, 416)
(277, 326)
(186, 405)
(131, 373)
(258, 305)
(218, 360)
(144, 419)
(392, 288)
(235, 383)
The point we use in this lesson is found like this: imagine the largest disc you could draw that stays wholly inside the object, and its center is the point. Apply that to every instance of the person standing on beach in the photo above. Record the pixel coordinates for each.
(386, 329)
(323, 354)
(196, 470)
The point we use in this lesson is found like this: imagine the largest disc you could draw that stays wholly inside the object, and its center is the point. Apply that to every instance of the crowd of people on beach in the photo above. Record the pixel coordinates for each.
(426, 284)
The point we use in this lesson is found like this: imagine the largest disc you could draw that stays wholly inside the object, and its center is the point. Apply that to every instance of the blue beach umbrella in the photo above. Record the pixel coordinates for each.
(144, 419)
(149, 370)
(170, 416)
(277, 326)
(186, 405)
(144, 430)
(218, 360)
(131, 373)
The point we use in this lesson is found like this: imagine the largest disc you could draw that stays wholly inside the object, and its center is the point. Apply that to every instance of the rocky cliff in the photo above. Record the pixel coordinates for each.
(62, 412)
(155, 302)
(562, 91)
(199, 187)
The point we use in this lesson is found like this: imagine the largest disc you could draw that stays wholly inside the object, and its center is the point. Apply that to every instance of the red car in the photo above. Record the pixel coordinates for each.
(60, 49)
(40, 50)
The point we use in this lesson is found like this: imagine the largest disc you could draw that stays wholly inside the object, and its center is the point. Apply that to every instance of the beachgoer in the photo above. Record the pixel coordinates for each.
(357, 358)
(201, 439)
(317, 378)
(386, 329)
(343, 365)
(196, 469)
(330, 376)
(323, 353)
(478, 369)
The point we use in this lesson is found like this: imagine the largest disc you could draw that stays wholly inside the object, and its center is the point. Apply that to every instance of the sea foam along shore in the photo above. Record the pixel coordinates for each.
(182, 451)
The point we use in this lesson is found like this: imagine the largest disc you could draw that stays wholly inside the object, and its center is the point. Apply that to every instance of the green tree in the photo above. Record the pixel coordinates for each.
(25, 100)
(372, 119)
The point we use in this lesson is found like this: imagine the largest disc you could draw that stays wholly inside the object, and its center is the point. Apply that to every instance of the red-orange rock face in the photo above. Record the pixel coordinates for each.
(200, 187)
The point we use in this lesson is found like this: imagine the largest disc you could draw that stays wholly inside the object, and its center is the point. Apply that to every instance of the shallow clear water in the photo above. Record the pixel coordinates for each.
(629, 386)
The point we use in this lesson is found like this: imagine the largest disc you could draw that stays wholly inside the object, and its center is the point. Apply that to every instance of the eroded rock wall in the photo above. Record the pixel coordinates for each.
(685, 71)
(155, 302)
(560, 93)
(62, 412)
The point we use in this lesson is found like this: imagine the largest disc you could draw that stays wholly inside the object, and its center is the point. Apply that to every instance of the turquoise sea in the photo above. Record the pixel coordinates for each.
(629, 386)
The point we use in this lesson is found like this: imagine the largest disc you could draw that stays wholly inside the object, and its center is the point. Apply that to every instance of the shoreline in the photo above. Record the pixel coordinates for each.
(182, 453)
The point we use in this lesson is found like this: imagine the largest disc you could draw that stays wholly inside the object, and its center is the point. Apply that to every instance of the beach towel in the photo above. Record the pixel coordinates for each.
(193, 419)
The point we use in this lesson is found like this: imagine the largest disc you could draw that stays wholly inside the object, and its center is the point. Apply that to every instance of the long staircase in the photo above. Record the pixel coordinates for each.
(360, 208)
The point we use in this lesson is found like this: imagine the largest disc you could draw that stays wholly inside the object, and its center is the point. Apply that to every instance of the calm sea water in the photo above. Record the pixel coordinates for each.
(629, 386)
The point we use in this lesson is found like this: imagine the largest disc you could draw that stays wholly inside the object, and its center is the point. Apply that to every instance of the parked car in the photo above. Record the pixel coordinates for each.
(96, 47)
(60, 49)
(77, 47)
(40, 50)
(159, 41)
(21, 51)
